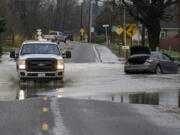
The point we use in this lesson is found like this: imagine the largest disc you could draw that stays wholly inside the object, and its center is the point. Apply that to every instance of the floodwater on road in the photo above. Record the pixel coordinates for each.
(95, 81)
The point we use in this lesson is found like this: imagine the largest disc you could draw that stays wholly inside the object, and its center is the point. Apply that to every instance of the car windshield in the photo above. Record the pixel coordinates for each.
(40, 49)
(53, 33)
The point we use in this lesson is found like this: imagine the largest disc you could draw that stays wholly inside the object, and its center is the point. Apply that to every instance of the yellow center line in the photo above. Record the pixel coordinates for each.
(45, 127)
(45, 109)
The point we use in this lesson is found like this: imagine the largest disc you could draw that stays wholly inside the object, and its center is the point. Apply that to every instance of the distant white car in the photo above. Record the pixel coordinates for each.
(55, 36)
(40, 59)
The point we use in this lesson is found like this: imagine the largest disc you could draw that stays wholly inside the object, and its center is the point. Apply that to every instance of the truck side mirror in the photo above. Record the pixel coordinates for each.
(68, 54)
(12, 54)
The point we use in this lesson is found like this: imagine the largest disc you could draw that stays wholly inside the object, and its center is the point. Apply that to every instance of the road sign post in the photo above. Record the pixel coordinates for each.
(132, 37)
(124, 24)
(126, 49)
(82, 33)
(106, 30)
(120, 46)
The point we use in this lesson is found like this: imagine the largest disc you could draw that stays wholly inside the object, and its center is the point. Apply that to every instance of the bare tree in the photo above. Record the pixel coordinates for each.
(25, 16)
(149, 13)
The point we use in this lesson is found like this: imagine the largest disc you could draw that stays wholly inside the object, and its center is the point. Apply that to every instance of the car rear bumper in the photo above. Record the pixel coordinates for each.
(23, 74)
(138, 68)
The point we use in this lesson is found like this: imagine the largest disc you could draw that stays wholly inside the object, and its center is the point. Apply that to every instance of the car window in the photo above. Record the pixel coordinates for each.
(165, 57)
(155, 55)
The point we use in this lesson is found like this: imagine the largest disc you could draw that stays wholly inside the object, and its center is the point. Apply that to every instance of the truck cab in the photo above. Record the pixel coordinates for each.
(40, 60)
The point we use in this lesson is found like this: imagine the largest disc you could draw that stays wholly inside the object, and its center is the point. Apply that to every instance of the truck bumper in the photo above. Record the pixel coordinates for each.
(23, 74)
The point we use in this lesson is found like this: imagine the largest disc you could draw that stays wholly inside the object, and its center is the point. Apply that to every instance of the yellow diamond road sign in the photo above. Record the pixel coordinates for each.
(119, 30)
(82, 31)
(131, 31)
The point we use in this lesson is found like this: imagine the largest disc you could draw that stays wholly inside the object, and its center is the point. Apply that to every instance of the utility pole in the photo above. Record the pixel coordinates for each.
(81, 19)
(81, 15)
(90, 20)
(179, 24)
(124, 25)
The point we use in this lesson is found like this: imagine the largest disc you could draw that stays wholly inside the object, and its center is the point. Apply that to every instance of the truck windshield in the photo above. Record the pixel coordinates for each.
(53, 33)
(40, 49)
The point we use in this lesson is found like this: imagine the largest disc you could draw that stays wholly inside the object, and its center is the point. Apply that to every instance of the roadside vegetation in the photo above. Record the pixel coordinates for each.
(150, 14)
(116, 48)
(147, 13)
(2, 29)
(11, 43)
(173, 54)
(24, 17)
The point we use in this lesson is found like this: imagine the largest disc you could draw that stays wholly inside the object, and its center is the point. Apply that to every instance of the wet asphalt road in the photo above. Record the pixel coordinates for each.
(83, 53)
(82, 117)
(85, 78)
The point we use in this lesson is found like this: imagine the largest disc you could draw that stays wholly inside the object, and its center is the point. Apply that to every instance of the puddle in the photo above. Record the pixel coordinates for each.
(97, 81)
(166, 99)
(32, 89)
(54, 89)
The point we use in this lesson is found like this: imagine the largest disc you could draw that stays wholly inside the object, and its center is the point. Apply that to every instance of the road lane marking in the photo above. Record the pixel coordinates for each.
(96, 53)
(59, 127)
(45, 109)
(45, 98)
(45, 127)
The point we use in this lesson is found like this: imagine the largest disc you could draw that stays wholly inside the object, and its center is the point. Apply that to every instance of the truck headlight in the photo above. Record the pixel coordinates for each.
(22, 65)
(60, 65)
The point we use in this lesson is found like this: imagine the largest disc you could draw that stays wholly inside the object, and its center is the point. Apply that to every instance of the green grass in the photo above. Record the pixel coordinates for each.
(0, 51)
(115, 48)
(7, 48)
(174, 54)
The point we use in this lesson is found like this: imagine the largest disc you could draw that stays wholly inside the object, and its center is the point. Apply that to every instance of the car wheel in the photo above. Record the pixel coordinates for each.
(158, 70)
(178, 70)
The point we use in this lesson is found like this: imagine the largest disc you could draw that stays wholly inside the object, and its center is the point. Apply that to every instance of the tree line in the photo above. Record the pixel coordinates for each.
(25, 16)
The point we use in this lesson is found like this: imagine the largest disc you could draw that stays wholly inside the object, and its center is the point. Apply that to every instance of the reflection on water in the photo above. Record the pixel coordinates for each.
(54, 89)
(21, 95)
(167, 99)
(39, 88)
(144, 98)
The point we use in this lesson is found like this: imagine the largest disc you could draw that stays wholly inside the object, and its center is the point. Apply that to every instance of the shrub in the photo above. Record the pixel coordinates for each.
(0, 50)
(99, 39)
(18, 39)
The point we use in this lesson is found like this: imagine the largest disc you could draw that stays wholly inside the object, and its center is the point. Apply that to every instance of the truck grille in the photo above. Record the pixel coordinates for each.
(41, 65)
